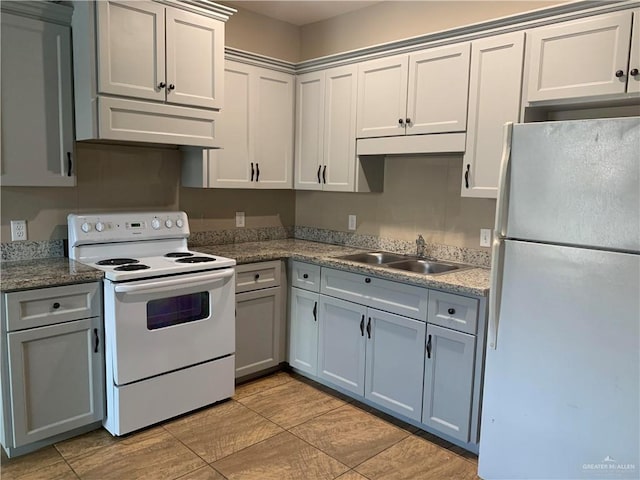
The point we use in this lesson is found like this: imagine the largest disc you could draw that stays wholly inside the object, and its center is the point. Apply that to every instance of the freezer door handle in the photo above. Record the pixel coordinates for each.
(502, 204)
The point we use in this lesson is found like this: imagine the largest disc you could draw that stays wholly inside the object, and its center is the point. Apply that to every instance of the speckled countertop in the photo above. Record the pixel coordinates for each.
(45, 272)
(51, 272)
(472, 281)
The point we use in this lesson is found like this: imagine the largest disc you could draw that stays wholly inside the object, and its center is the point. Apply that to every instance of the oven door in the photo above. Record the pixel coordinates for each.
(159, 325)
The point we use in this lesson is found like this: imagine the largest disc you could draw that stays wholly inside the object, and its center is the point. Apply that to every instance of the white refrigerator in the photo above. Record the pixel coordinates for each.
(561, 393)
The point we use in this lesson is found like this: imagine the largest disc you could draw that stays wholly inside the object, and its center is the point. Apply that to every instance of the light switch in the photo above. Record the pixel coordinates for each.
(485, 237)
(352, 222)
(239, 219)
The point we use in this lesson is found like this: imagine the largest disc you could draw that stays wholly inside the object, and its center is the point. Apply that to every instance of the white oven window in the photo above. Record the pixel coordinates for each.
(165, 312)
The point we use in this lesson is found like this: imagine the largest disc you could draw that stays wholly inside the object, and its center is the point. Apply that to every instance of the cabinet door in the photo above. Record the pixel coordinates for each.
(303, 334)
(37, 116)
(195, 59)
(273, 133)
(579, 58)
(494, 99)
(341, 343)
(394, 368)
(438, 88)
(633, 81)
(448, 381)
(340, 129)
(382, 97)
(57, 379)
(309, 130)
(230, 166)
(131, 49)
(257, 330)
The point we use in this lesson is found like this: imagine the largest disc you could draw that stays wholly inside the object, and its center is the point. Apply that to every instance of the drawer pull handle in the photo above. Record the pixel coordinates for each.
(362, 326)
(367, 280)
(305, 276)
(56, 306)
(369, 328)
(315, 312)
(451, 311)
(257, 276)
(97, 339)
(429, 347)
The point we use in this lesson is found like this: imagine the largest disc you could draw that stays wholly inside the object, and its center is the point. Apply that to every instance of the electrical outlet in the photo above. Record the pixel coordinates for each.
(352, 222)
(18, 230)
(485, 237)
(239, 219)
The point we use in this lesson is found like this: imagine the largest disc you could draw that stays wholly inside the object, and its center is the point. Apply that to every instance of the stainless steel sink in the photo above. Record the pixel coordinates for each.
(373, 258)
(427, 267)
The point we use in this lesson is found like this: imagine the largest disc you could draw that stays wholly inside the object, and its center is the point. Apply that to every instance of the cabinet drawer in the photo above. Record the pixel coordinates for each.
(306, 276)
(394, 297)
(453, 311)
(255, 276)
(46, 306)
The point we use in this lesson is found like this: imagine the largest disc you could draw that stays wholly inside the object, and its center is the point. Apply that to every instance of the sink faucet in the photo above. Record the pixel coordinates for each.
(420, 246)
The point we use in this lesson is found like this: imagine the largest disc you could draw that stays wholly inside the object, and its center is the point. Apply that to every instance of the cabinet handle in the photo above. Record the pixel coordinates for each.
(172, 87)
(451, 311)
(315, 312)
(619, 73)
(252, 171)
(162, 85)
(257, 172)
(634, 72)
(257, 276)
(367, 280)
(429, 347)
(319, 169)
(466, 176)
(408, 121)
(401, 122)
(69, 164)
(369, 328)
(305, 275)
(324, 174)
(56, 306)
(97, 340)
(362, 326)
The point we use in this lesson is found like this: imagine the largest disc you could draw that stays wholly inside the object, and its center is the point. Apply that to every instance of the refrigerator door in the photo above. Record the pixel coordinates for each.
(561, 391)
(576, 183)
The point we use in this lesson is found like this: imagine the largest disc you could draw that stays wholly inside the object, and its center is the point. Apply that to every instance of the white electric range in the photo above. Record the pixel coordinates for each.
(169, 315)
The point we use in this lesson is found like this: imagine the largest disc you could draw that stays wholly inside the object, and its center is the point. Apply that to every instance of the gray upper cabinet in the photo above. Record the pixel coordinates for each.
(37, 98)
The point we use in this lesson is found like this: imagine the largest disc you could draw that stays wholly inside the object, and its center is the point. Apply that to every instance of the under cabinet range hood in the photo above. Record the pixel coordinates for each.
(412, 144)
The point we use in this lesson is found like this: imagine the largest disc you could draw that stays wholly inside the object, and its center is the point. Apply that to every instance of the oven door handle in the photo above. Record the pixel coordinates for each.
(163, 285)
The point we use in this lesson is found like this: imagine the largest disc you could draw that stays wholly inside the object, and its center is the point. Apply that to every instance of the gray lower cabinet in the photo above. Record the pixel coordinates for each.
(448, 381)
(303, 331)
(375, 354)
(53, 365)
(259, 317)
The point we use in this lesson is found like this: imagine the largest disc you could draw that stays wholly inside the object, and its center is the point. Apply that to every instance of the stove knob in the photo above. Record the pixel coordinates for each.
(86, 227)
(99, 227)
(155, 224)
(179, 223)
(168, 223)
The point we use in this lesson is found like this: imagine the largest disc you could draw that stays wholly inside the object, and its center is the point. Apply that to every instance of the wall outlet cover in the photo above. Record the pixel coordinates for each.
(485, 237)
(239, 219)
(18, 230)
(352, 222)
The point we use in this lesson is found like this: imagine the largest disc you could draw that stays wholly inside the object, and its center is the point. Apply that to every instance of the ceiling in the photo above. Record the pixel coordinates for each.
(301, 12)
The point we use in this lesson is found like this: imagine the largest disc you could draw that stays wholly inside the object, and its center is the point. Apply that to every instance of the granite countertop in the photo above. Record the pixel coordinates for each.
(472, 281)
(45, 272)
(51, 272)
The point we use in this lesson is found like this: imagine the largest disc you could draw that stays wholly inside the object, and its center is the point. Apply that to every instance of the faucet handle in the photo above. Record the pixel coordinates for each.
(420, 238)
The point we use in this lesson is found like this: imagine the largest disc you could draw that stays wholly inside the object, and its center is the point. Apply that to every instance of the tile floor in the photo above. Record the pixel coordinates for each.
(281, 427)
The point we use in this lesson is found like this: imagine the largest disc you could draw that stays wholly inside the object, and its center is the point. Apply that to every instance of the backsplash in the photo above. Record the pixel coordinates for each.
(12, 251)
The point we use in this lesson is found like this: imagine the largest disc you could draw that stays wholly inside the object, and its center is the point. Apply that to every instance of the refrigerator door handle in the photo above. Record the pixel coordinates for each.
(502, 203)
(498, 239)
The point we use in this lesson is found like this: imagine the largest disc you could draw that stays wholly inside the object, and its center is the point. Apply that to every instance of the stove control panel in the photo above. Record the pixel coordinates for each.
(124, 227)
